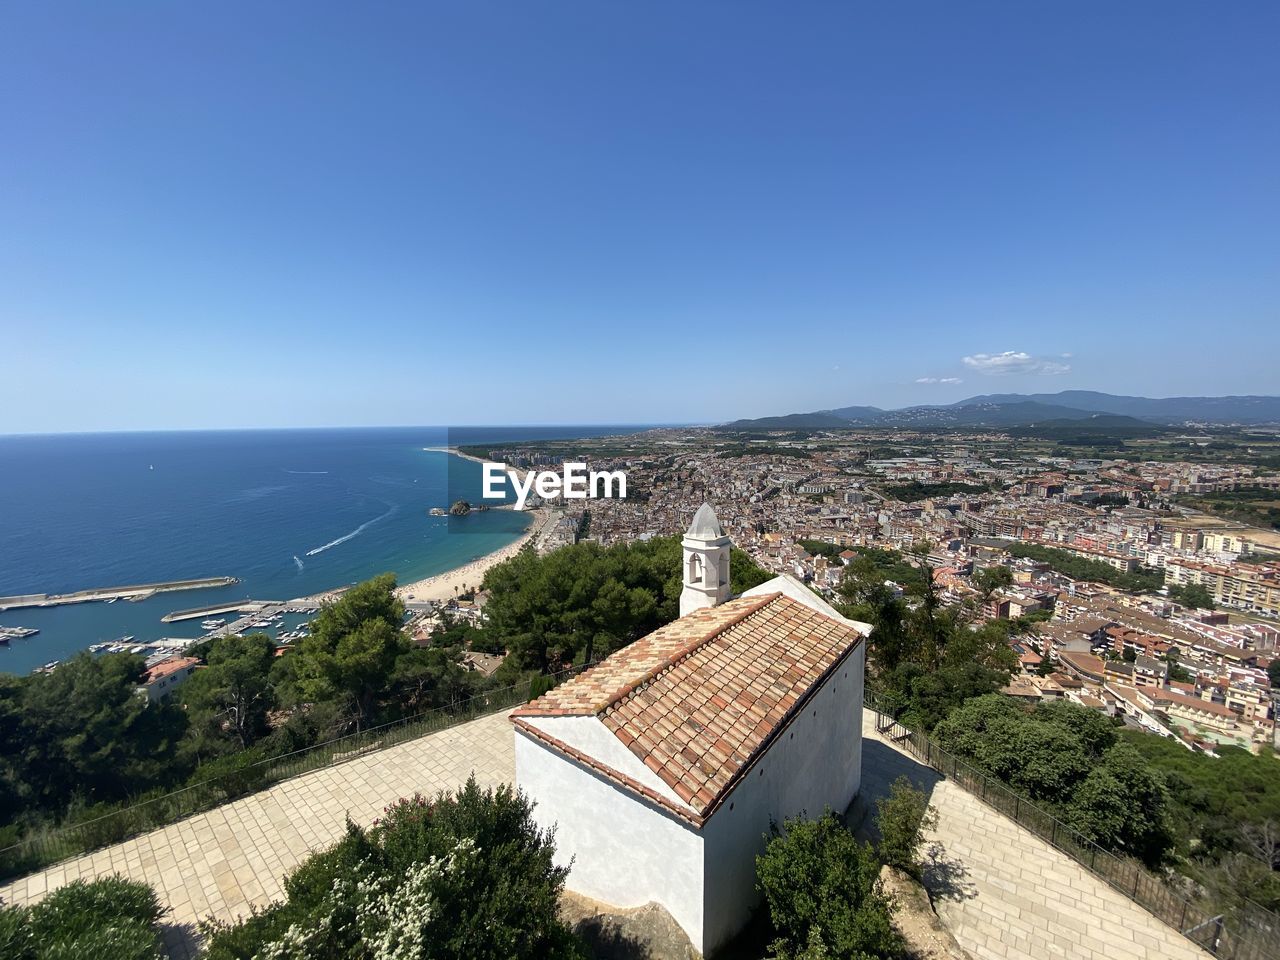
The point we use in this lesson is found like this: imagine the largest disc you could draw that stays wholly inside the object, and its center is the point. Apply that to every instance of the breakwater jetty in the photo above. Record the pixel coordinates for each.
(194, 612)
(141, 591)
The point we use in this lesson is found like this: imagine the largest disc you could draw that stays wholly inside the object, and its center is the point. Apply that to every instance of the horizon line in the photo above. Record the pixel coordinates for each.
(130, 431)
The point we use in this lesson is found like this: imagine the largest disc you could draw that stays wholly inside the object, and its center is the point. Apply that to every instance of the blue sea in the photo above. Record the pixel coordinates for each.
(288, 512)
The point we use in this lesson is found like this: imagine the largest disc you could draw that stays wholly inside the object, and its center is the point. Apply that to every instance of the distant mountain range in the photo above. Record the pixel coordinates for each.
(1086, 409)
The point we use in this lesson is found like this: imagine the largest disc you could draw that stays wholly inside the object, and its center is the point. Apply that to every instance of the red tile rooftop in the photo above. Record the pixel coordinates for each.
(166, 667)
(697, 700)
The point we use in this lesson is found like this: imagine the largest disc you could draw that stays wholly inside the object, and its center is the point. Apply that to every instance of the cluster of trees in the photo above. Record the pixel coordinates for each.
(762, 450)
(935, 668)
(926, 657)
(81, 735)
(106, 918)
(914, 490)
(820, 548)
(1141, 580)
(454, 878)
(78, 739)
(1069, 759)
(582, 602)
(1225, 813)
(1192, 595)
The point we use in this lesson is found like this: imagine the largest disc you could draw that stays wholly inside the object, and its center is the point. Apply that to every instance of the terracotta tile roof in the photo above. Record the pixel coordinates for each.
(166, 667)
(699, 699)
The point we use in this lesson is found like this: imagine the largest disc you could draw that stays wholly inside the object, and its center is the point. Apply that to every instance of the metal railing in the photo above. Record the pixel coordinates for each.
(1243, 931)
(43, 846)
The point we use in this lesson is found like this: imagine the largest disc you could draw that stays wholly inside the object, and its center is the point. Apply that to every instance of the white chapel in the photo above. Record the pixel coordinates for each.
(662, 767)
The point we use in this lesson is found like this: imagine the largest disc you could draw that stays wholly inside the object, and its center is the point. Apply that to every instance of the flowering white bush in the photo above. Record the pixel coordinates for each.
(468, 876)
(392, 916)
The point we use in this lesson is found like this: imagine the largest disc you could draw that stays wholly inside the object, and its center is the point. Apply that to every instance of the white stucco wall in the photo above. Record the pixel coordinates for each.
(593, 738)
(815, 764)
(627, 851)
(624, 850)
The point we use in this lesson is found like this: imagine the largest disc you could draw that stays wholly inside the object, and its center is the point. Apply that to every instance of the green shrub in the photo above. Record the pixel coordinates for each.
(902, 818)
(107, 919)
(16, 939)
(824, 895)
(81, 906)
(465, 876)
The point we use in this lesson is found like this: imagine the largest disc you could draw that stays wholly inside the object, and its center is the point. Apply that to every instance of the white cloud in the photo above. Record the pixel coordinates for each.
(939, 380)
(1014, 361)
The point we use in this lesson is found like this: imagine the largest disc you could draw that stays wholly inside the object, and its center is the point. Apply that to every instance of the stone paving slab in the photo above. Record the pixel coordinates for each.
(227, 860)
(1004, 893)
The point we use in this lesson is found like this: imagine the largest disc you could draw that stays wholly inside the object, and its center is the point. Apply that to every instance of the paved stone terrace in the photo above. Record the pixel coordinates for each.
(231, 858)
(1005, 893)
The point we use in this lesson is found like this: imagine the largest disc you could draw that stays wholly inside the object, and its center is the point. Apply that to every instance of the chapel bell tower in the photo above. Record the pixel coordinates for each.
(706, 562)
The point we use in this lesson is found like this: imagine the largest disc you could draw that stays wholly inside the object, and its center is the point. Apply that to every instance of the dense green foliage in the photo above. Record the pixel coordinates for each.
(926, 657)
(1225, 814)
(82, 733)
(79, 741)
(1081, 568)
(823, 891)
(901, 819)
(820, 548)
(1192, 595)
(465, 877)
(1067, 758)
(914, 490)
(761, 450)
(582, 602)
(106, 919)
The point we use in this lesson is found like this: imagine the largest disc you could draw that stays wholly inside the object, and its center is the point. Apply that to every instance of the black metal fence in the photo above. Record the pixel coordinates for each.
(1243, 931)
(40, 847)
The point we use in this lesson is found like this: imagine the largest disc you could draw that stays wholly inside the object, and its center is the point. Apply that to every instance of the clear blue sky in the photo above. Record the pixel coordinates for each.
(299, 213)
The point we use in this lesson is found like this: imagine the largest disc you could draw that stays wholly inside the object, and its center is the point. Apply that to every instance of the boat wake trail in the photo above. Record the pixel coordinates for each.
(352, 535)
(298, 562)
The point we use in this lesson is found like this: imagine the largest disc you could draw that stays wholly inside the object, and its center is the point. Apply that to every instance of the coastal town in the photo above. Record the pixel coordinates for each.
(640, 482)
(1125, 601)
(1171, 620)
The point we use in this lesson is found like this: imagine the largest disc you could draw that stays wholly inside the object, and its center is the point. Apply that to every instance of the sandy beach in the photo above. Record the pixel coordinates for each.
(440, 587)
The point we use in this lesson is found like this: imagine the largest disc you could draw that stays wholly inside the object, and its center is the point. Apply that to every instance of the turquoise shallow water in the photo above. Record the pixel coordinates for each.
(290, 513)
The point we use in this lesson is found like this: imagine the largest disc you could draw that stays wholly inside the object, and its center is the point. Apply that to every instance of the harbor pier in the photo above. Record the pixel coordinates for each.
(137, 592)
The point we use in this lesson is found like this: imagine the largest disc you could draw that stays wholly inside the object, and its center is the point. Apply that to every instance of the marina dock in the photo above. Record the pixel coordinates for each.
(137, 592)
(252, 609)
(213, 610)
